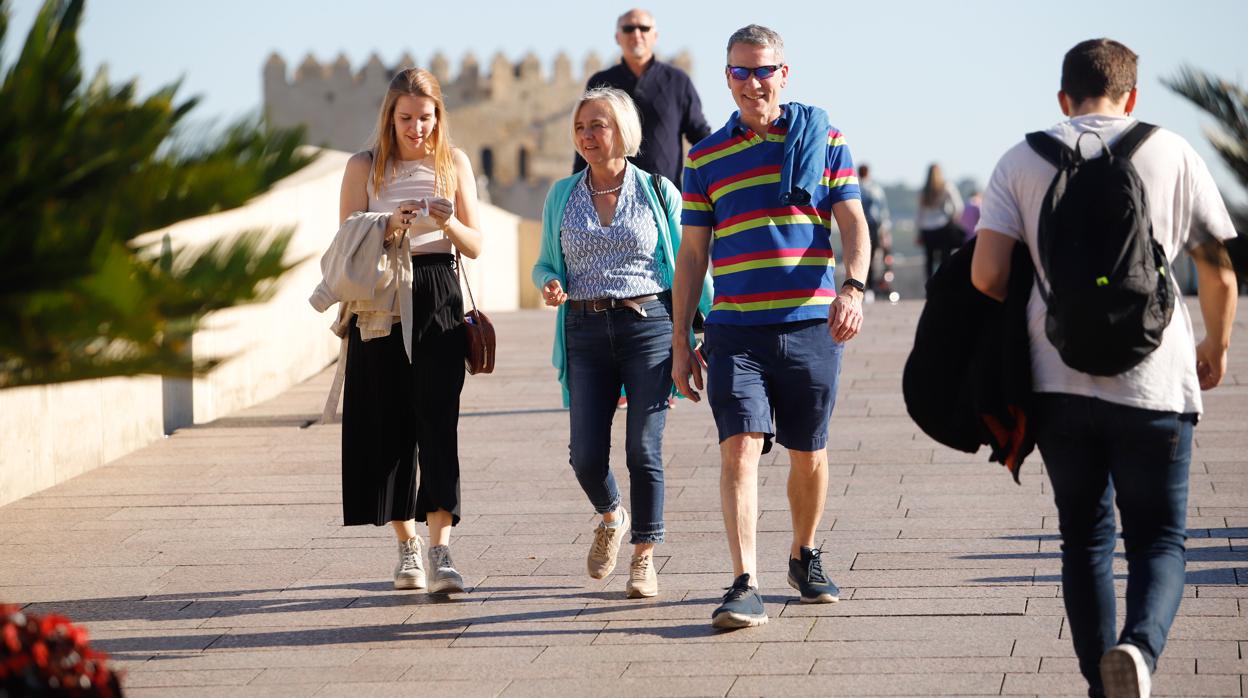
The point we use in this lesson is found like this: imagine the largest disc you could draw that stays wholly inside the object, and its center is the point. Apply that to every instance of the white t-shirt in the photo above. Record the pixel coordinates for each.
(1182, 197)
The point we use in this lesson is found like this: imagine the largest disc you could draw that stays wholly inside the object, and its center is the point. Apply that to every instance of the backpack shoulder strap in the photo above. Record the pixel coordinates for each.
(1049, 148)
(656, 182)
(1130, 141)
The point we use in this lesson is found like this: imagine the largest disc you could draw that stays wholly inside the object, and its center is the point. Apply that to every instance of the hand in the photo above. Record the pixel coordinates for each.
(1210, 364)
(845, 315)
(401, 219)
(553, 293)
(441, 210)
(686, 362)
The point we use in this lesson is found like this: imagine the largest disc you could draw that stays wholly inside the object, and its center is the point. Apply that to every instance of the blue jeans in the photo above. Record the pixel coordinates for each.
(606, 351)
(1096, 452)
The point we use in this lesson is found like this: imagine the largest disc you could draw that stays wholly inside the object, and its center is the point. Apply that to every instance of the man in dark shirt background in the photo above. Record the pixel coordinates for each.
(664, 94)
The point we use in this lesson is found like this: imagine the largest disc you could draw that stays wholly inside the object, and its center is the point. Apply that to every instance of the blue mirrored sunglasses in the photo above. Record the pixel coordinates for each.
(762, 72)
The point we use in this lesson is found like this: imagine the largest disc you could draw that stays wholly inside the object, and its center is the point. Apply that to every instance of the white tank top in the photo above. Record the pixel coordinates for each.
(411, 179)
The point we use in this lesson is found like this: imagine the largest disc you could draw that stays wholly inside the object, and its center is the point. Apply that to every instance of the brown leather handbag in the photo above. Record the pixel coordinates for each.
(479, 352)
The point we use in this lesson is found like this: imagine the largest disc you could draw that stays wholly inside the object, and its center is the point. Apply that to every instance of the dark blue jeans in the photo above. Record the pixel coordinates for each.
(1095, 452)
(606, 351)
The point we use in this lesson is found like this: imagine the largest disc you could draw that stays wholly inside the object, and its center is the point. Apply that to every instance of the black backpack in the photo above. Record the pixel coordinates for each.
(1109, 293)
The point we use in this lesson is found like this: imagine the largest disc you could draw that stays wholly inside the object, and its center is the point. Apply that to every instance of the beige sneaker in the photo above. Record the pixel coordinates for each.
(606, 547)
(643, 582)
(410, 572)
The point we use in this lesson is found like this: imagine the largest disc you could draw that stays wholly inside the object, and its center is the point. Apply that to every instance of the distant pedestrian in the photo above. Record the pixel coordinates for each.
(609, 241)
(970, 214)
(405, 367)
(879, 224)
(766, 187)
(669, 107)
(940, 206)
(1124, 438)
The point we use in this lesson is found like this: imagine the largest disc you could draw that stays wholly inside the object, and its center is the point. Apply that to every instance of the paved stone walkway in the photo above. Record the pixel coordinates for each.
(214, 562)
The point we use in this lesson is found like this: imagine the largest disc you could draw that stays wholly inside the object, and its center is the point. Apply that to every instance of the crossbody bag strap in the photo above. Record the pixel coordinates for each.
(459, 271)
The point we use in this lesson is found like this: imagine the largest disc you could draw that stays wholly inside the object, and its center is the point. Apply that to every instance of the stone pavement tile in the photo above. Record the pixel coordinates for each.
(717, 667)
(957, 592)
(989, 524)
(1068, 684)
(656, 687)
(659, 608)
(424, 670)
(476, 688)
(992, 576)
(287, 676)
(911, 607)
(529, 633)
(946, 561)
(411, 636)
(925, 665)
(1207, 628)
(232, 659)
(868, 685)
(934, 627)
(486, 613)
(968, 646)
(1221, 666)
(737, 652)
(144, 678)
(315, 615)
(632, 632)
(301, 691)
(150, 641)
(1235, 592)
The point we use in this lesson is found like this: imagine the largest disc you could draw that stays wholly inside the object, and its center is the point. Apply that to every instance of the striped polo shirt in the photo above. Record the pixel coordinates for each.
(771, 262)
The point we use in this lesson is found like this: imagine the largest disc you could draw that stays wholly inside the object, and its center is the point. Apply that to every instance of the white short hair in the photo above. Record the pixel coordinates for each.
(623, 113)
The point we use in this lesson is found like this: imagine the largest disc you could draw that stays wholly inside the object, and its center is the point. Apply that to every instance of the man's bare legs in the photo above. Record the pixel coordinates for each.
(738, 493)
(808, 492)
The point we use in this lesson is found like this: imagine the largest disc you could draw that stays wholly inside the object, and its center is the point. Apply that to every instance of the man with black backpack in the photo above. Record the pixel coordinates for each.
(1104, 204)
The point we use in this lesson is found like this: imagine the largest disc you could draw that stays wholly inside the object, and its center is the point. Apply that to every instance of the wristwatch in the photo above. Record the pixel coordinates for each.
(854, 283)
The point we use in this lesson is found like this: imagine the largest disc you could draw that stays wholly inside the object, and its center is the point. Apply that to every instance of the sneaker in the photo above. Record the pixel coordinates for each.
(410, 572)
(806, 575)
(1124, 673)
(606, 547)
(446, 580)
(742, 606)
(643, 582)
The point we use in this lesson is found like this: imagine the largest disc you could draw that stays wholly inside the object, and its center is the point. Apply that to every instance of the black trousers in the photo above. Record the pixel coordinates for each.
(400, 420)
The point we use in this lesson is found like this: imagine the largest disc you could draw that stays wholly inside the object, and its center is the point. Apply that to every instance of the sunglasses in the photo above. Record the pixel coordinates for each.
(630, 28)
(762, 72)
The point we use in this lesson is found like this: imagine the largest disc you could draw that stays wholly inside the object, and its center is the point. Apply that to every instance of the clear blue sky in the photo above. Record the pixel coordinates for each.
(957, 81)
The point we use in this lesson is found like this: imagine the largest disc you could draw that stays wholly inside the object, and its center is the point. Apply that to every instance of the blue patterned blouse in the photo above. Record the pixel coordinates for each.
(616, 261)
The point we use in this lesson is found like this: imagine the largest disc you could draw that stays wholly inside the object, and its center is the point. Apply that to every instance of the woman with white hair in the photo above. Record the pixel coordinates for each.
(609, 240)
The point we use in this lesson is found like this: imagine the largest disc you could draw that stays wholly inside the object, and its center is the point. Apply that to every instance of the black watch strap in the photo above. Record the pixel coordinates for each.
(854, 283)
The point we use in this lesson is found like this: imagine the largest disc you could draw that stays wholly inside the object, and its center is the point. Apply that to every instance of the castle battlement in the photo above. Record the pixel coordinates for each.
(511, 116)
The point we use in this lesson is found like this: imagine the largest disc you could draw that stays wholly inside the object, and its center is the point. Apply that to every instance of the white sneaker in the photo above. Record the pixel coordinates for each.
(410, 572)
(1124, 673)
(446, 580)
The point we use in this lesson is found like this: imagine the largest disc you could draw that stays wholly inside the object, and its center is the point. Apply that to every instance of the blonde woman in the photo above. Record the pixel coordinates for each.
(401, 415)
(609, 240)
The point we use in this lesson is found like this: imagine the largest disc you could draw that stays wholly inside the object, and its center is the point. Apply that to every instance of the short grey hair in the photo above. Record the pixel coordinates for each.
(758, 35)
(623, 113)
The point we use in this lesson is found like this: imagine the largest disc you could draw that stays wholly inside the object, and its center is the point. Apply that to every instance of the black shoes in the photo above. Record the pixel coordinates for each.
(742, 606)
(807, 576)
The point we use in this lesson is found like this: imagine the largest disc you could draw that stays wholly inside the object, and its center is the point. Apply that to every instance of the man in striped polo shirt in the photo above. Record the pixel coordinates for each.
(760, 195)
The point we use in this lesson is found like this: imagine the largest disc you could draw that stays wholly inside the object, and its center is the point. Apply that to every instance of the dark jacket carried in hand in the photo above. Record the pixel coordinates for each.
(967, 381)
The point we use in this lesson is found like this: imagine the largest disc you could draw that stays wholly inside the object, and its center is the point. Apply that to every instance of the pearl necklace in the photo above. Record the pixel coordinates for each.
(600, 192)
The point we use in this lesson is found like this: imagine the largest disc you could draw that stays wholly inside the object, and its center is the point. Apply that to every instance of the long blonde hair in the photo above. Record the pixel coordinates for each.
(934, 187)
(414, 82)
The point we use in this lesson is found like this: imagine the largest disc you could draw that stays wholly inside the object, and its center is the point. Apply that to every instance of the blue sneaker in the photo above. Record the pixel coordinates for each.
(807, 576)
(742, 606)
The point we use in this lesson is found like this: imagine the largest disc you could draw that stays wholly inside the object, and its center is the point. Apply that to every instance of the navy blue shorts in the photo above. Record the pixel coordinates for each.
(787, 371)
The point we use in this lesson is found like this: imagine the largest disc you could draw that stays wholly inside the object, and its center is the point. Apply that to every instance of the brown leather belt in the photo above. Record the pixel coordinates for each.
(599, 305)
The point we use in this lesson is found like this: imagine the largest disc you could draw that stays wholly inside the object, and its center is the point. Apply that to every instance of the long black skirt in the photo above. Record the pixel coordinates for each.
(397, 415)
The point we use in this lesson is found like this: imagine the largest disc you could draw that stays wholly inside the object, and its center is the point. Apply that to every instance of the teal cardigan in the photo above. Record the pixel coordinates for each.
(550, 263)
